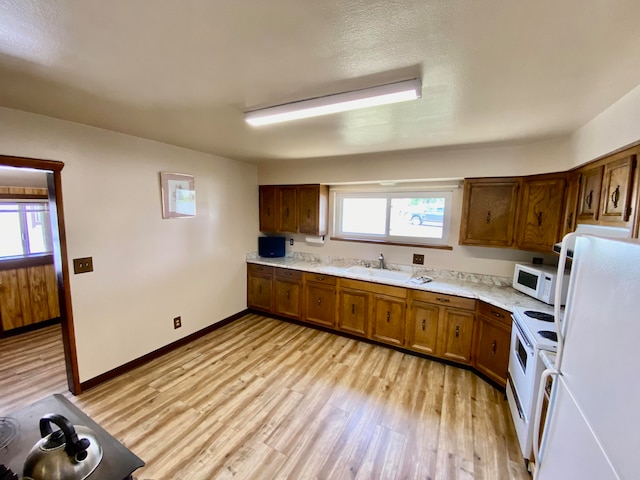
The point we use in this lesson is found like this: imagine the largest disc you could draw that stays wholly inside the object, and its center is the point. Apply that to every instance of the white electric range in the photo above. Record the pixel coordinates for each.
(533, 331)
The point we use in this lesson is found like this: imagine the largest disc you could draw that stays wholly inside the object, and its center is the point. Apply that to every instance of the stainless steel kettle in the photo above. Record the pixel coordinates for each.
(71, 453)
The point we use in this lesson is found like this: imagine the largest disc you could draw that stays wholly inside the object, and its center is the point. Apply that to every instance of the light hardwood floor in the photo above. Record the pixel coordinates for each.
(266, 399)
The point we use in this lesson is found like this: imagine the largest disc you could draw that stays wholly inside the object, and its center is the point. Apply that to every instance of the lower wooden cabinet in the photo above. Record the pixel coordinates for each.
(493, 341)
(354, 311)
(259, 286)
(319, 304)
(388, 320)
(456, 336)
(288, 293)
(422, 327)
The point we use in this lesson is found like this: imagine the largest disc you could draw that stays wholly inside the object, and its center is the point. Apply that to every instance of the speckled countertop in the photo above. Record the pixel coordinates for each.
(496, 291)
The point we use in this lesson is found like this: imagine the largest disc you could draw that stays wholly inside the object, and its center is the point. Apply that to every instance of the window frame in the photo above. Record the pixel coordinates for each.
(371, 191)
(23, 213)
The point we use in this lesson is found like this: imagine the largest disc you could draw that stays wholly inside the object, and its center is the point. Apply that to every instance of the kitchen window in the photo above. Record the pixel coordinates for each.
(25, 227)
(400, 217)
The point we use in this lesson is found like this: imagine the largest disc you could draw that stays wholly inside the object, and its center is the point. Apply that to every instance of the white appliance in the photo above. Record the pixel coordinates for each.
(533, 331)
(599, 230)
(592, 430)
(539, 281)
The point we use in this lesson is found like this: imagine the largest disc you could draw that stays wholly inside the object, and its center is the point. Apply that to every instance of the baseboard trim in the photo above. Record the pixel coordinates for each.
(28, 328)
(116, 372)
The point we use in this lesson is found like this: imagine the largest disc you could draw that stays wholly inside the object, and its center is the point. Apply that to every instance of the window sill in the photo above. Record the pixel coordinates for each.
(12, 263)
(385, 242)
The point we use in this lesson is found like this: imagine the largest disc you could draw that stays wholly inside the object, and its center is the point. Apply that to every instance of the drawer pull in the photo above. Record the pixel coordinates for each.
(539, 219)
(457, 331)
(388, 316)
(424, 324)
(497, 314)
(489, 216)
(287, 294)
(494, 346)
(319, 301)
(353, 308)
(442, 300)
(319, 278)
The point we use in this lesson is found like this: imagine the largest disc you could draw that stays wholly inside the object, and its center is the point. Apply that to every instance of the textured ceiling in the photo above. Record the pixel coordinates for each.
(183, 71)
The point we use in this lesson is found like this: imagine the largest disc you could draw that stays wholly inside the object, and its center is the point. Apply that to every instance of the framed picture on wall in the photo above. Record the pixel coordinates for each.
(178, 195)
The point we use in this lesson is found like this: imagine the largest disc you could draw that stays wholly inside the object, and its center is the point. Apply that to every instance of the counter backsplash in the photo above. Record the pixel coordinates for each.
(414, 269)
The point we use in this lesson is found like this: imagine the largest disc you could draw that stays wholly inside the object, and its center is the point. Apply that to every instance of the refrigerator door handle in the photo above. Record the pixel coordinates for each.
(537, 452)
(562, 263)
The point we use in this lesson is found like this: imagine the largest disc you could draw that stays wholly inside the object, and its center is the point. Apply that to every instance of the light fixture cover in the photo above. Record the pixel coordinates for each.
(341, 102)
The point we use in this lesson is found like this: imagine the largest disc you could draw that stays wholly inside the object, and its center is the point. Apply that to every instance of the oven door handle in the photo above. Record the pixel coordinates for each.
(537, 441)
(515, 395)
(521, 332)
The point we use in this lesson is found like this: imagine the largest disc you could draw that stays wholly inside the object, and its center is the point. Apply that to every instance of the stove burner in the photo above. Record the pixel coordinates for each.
(544, 317)
(548, 335)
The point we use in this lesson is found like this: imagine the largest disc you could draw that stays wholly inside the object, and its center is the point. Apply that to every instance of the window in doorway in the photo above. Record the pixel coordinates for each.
(25, 228)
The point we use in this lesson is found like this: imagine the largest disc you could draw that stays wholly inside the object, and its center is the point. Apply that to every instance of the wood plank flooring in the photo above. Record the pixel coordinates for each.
(266, 399)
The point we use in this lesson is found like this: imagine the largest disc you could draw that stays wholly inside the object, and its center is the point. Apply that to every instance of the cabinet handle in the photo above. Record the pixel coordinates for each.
(353, 308)
(457, 331)
(615, 196)
(287, 294)
(388, 316)
(319, 301)
(570, 219)
(319, 278)
(308, 213)
(589, 198)
(424, 323)
(287, 212)
(489, 216)
(497, 314)
(268, 212)
(443, 300)
(494, 345)
(539, 219)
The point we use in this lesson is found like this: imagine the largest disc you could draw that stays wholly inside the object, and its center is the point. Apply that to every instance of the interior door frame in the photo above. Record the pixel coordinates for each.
(60, 259)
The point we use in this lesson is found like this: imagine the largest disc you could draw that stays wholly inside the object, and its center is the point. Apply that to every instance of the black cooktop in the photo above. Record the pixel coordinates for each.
(548, 335)
(544, 317)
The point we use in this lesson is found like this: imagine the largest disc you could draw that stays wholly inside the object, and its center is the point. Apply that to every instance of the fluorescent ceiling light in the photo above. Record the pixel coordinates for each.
(341, 102)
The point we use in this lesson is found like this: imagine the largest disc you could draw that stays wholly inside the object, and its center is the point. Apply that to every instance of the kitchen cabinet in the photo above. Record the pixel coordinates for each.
(287, 292)
(28, 296)
(354, 311)
(571, 203)
(492, 343)
(389, 319)
(441, 325)
(541, 212)
(294, 209)
(320, 299)
(489, 211)
(616, 190)
(589, 197)
(259, 287)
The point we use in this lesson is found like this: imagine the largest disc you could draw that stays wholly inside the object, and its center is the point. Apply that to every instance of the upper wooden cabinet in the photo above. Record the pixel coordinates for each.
(294, 208)
(541, 212)
(489, 211)
(569, 219)
(616, 190)
(589, 197)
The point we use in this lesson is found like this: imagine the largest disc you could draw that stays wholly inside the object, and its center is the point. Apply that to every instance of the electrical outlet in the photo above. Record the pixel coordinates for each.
(177, 322)
(418, 259)
(537, 260)
(291, 241)
(83, 265)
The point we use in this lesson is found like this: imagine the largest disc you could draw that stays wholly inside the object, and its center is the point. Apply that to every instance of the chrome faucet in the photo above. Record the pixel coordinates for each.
(381, 260)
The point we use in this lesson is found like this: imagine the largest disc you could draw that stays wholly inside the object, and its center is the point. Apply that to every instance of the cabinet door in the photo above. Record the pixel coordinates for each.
(589, 198)
(456, 335)
(492, 355)
(616, 190)
(288, 211)
(388, 320)
(489, 212)
(320, 304)
(312, 209)
(259, 292)
(541, 215)
(268, 209)
(353, 315)
(422, 328)
(287, 297)
(571, 204)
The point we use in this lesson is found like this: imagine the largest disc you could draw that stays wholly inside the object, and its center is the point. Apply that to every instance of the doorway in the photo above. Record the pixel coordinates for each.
(60, 260)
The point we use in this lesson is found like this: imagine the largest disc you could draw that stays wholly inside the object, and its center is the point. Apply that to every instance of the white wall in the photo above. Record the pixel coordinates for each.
(444, 164)
(147, 270)
(616, 127)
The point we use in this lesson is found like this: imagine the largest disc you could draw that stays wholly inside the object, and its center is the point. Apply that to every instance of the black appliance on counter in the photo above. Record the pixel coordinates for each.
(271, 247)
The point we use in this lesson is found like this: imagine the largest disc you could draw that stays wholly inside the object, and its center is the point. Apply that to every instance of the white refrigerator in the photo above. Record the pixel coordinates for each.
(592, 429)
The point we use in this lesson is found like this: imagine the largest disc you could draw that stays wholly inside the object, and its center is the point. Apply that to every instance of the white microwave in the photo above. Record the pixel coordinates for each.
(539, 281)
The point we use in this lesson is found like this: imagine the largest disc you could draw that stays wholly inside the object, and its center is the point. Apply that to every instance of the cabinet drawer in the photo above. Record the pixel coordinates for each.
(496, 313)
(379, 288)
(264, 269)
(290, 274)
(319, 278)
(445, 300)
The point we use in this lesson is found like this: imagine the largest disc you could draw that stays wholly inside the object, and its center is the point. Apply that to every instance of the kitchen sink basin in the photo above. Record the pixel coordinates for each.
(379, 273)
